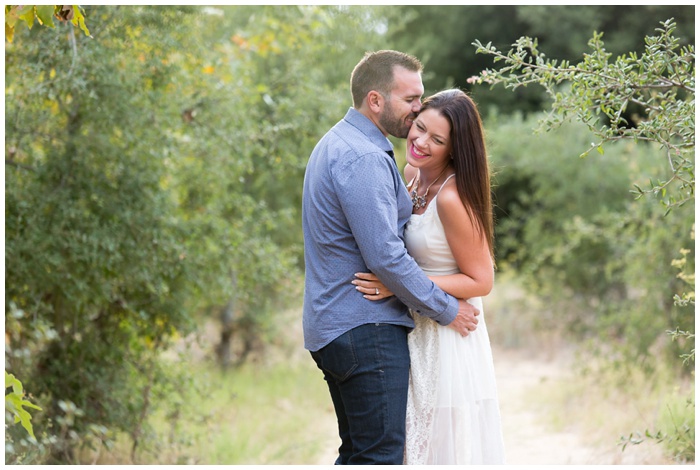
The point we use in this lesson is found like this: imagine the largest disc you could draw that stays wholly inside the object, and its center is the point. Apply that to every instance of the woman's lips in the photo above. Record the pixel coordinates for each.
(417, 153)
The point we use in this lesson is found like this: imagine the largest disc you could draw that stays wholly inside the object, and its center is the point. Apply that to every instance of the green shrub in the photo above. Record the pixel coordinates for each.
(573, 229)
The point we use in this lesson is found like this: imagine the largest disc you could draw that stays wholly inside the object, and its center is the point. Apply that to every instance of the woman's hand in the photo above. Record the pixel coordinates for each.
(368, 284)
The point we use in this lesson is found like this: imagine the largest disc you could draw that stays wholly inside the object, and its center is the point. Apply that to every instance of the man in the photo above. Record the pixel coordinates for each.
(354, 210)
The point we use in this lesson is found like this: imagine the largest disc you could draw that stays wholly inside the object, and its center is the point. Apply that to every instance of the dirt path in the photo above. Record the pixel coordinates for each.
(529, 438)
(528, 441)
(529, 435)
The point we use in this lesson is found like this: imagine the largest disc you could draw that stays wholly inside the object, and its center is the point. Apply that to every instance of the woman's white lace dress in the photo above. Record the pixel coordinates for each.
(452, 415)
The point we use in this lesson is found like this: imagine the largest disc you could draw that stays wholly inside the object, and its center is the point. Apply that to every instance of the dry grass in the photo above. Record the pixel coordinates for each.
(273, 410)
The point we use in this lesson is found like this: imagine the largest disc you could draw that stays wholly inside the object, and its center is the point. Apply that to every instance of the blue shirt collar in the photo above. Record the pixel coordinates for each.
(367, 127)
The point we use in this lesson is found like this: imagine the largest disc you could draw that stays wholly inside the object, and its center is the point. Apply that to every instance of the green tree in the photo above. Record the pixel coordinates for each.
(249, 124)
(153, 174)
(562, 30)
(95, 253)
(596, 92)
(661, 81)
(643, 248)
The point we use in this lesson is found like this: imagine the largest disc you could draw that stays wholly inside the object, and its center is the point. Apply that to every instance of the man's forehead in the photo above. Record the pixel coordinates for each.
(407, 83)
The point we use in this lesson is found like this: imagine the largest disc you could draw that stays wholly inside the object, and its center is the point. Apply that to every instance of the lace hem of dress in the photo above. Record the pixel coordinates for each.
(422, 390)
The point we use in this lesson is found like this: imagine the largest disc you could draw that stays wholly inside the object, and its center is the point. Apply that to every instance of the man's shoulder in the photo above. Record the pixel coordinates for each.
(351, 137)
(357, 133)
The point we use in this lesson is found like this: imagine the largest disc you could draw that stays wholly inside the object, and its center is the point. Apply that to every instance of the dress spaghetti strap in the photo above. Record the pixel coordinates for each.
(443, 184)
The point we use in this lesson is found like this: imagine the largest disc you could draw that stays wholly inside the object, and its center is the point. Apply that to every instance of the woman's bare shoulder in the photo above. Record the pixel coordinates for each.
(449, 201)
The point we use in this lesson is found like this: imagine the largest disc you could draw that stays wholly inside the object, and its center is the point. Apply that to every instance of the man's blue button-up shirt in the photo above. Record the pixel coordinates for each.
(354, 210)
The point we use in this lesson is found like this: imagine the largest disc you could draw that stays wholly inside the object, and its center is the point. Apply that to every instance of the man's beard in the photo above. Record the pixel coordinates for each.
(392, 124)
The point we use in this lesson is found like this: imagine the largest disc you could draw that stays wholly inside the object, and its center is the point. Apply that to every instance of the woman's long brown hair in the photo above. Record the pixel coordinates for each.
(468, 156)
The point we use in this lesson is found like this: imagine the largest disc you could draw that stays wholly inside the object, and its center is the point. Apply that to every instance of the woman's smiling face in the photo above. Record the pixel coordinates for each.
(428, 142)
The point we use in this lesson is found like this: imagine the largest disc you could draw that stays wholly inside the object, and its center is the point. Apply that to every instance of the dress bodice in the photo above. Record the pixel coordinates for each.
(427, 243)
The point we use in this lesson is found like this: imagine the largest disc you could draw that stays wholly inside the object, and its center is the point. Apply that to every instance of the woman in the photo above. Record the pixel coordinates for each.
(453, 415)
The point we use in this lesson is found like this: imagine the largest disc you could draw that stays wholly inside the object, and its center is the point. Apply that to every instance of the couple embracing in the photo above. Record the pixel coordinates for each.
(395, 274)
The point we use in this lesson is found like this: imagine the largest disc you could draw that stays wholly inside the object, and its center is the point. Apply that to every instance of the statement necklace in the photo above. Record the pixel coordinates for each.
(420, 201)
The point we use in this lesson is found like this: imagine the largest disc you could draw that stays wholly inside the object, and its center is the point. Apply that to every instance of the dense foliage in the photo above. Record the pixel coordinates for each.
(562, 30)
(153, 172)
(596, 92)
(627, 266)
(573, 230)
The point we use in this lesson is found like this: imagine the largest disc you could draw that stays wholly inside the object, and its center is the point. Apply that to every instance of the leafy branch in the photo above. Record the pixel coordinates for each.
(681, 437)
(660, 84)
(15, 403)
(45, 15)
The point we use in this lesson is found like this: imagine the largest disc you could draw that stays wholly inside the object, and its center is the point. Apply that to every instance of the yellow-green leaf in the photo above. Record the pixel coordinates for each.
(12, 382)
(10, 16)
(15, 403)
(79, 20)
(45, 15)
(26, 14)
(9, 32)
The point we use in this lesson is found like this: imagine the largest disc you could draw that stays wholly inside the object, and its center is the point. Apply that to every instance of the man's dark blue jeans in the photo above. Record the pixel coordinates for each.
(367, 374)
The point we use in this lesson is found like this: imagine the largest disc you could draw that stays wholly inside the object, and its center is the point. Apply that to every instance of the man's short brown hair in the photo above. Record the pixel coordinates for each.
(376, 72)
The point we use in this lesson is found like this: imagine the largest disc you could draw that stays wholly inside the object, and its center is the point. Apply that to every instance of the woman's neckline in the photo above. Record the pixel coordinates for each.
(427, 207)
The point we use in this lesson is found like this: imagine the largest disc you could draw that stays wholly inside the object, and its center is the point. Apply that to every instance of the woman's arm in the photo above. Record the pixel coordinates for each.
(468, 247)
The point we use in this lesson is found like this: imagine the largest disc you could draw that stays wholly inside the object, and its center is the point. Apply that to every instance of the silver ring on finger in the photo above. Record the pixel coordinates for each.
(376, 291)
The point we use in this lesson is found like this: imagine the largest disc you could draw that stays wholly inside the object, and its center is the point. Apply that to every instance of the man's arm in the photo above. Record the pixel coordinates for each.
(374, 289)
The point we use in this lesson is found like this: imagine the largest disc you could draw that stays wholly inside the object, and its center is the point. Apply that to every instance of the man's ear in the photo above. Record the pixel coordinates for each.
(375, 101)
